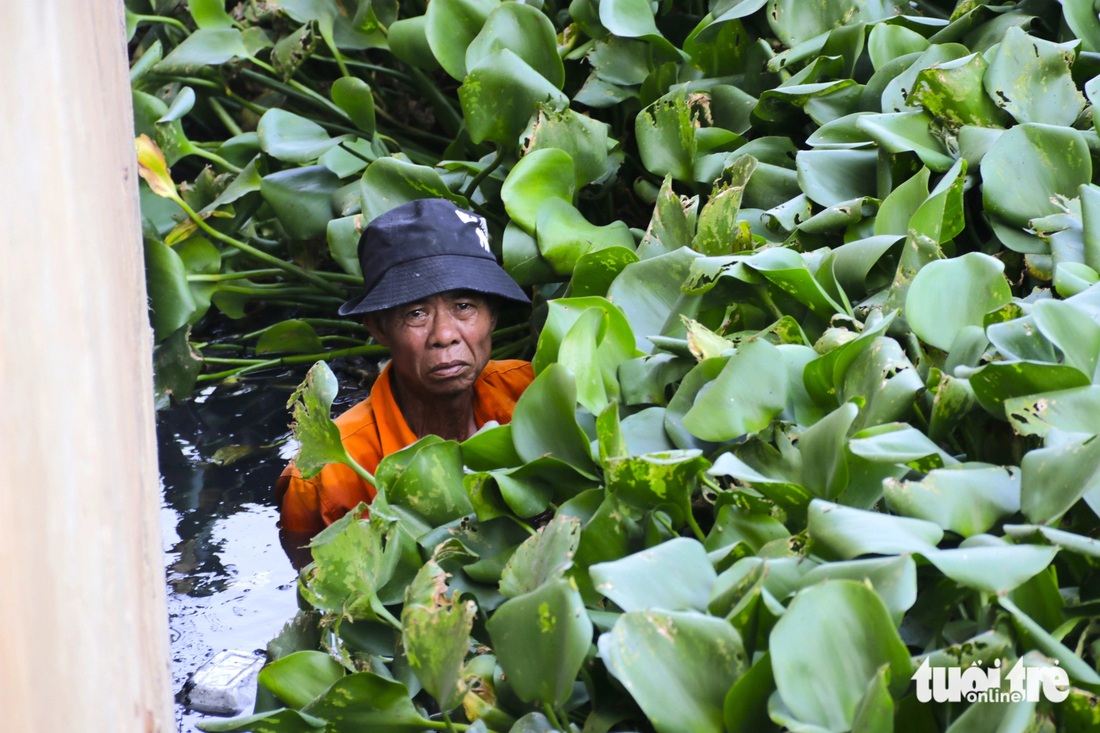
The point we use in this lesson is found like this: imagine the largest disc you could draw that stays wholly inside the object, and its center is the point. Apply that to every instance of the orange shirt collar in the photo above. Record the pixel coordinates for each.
(396, 434)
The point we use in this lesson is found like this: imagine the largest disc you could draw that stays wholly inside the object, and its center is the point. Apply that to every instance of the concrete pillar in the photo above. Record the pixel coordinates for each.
(83, 620)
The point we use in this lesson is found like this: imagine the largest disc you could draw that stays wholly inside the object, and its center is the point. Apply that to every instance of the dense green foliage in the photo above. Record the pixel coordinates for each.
(817, 347)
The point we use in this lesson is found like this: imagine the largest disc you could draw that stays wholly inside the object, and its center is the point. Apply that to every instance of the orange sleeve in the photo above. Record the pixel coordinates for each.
(517, 379)
(300, 503)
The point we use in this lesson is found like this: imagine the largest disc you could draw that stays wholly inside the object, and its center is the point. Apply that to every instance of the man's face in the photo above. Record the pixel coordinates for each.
(439, 345)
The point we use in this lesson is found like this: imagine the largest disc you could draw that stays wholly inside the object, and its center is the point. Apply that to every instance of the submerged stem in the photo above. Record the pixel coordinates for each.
(296, 359)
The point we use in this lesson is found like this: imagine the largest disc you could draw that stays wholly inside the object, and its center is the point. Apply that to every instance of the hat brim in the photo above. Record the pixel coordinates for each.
(411, 281)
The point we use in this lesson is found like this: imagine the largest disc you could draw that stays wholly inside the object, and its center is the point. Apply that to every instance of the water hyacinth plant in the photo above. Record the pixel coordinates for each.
(818, 334)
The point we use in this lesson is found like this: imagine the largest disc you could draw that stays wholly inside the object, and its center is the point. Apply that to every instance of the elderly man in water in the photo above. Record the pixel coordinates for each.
(433, 288)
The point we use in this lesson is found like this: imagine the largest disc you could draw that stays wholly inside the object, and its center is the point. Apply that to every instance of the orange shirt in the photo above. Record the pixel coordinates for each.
(373, 429)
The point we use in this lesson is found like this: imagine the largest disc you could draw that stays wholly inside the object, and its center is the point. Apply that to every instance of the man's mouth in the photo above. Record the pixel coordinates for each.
(449, 369)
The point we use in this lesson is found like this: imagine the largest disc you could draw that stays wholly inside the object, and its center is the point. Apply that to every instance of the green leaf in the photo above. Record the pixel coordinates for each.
(586, 140)
(354, 97)
(522, 260)
(343, 242)
(1039, 638)
(672, 224)
(579, 353)
(176, 367)
(719, 231)
(995, 569)
(525, 31)
(319, 437)
(278, 721)
(299, 678)
(367, 701)
(673, 576)
(541, 639)
(1086, 546)
(1030, 79)
(293, 336)
(952, 92)
(908, 132)
(847, 533)
(597, 269)
(435, 634)
(940, 218)
(628, 18)
(894, 579)
(1058, 162)
(824, 376)
(564, 235)
(887, 382)
(450, 27)
(543, 557)
(744, 398)
(1057, 476)
(1083, 22)
(246, 182)
(824, 447)
(408, 40)
(666, 136)
(900, 205)
(210, 14)
(538, 176)
(302, 199)
(292, 50)
(500, 96)
(545, 423)
(832, 177)
(430, 484)
(794, 23)
(967, 499)
(204, 47)
(1071, 330)
(886, 42)
(351, 566)
(678, 666)
(996, 382)
(746, 709)
(829, 646)
(171, 304)
(649, 293)
(652, 480)
(390, 182)
(787, 270)
(934, 307)
(899, 443)
(1071, 411)
(875, 713)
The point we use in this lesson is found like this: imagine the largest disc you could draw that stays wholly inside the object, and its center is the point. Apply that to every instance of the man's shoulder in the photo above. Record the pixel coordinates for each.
(508, 374)
(357, 417)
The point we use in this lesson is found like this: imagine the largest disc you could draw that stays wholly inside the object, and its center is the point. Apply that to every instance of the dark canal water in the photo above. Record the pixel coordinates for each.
(229, 584)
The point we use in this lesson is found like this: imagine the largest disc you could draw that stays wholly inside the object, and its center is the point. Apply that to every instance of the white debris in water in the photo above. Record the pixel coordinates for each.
(225, 685)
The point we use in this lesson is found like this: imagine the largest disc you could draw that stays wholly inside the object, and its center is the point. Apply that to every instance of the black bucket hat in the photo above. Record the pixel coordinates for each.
(426, 247)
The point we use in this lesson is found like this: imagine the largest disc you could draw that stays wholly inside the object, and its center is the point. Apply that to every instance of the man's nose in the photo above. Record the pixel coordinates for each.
(444, 328)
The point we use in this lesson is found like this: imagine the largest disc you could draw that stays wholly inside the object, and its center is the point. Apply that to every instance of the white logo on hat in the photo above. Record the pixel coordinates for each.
(482, 229)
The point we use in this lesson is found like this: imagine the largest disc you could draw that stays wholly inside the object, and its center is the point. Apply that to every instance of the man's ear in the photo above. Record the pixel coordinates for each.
(376, 325)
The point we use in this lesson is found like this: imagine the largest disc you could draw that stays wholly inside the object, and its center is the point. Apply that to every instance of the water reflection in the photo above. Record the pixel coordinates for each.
(229, 584)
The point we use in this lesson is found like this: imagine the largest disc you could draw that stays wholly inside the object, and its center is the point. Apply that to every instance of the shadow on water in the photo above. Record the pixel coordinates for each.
(229, 584)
